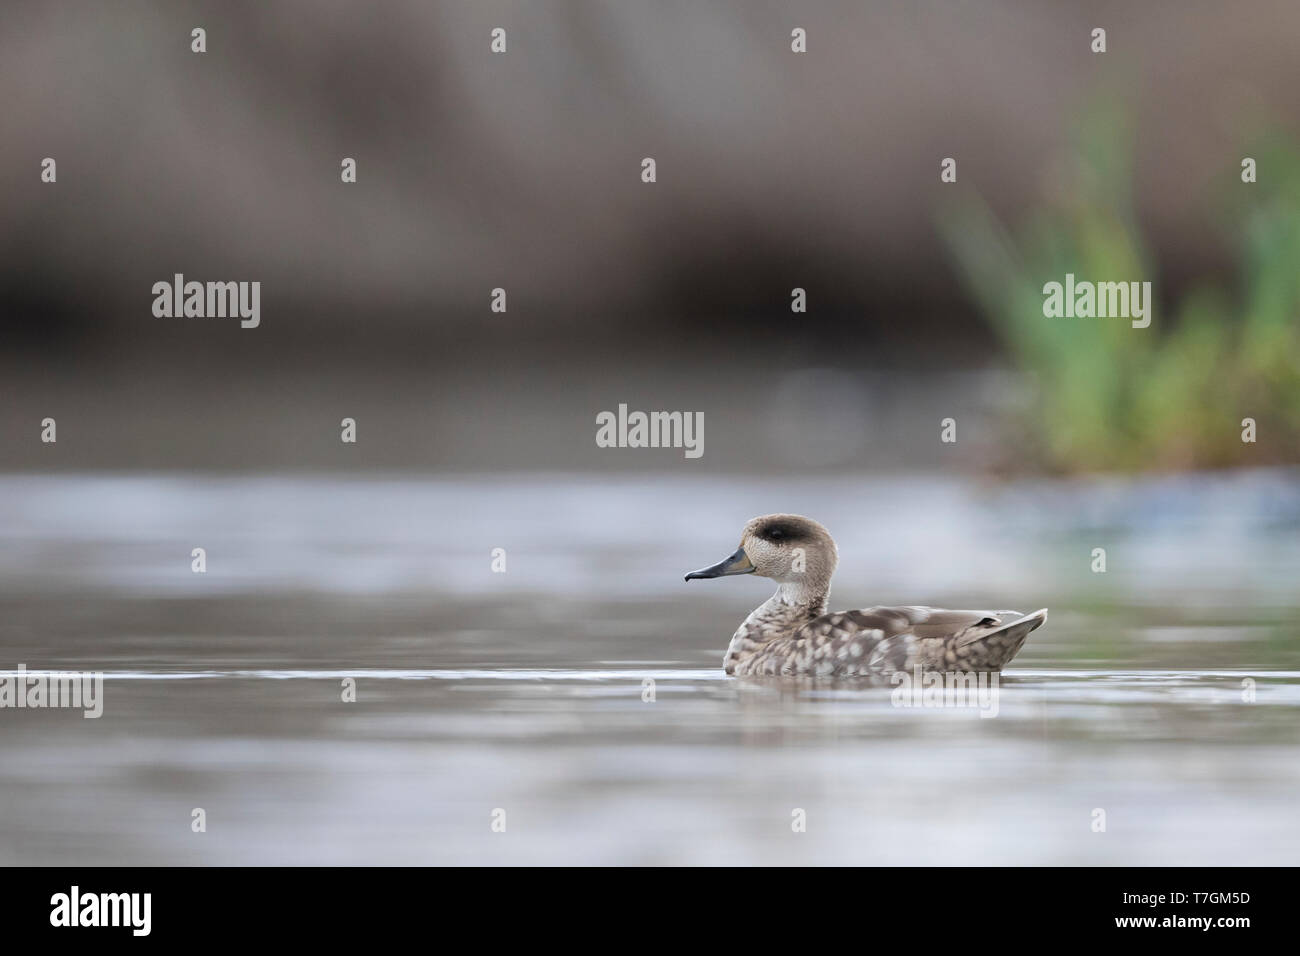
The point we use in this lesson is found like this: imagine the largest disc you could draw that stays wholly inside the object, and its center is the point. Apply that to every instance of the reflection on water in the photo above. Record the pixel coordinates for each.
(1165, 692)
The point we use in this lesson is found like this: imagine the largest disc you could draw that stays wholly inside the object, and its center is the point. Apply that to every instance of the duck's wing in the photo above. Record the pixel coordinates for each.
(880, 628)
(880, 640)
(941, 639)
(928, 622)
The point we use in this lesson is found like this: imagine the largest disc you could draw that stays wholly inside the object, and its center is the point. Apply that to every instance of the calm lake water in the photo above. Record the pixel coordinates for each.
(1164, 692)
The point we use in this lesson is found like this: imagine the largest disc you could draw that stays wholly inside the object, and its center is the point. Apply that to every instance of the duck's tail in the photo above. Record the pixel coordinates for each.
(1027, 623)
(1004, 641)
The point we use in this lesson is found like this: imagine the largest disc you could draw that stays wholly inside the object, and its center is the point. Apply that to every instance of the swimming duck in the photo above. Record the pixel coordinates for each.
(791, 634)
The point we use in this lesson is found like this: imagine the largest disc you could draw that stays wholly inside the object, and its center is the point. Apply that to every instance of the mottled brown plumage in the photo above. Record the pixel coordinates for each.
(791, 634)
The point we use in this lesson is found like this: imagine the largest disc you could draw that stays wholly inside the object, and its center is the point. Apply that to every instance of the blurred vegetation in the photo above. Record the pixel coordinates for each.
(1108, 396)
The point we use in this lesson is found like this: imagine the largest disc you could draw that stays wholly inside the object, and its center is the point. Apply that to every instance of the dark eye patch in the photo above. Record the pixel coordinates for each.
(780, 531)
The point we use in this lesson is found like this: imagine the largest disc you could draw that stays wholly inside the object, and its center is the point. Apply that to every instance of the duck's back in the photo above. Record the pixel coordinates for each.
(878, 641)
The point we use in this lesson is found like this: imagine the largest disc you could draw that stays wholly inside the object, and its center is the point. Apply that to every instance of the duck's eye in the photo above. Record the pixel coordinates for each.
(776, 534)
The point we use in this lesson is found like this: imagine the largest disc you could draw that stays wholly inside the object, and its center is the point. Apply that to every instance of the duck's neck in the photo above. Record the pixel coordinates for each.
(790, 608)
(809, 597)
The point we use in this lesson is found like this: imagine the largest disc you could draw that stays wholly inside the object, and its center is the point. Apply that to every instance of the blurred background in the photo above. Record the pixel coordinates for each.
(476, 429)
(522, 171)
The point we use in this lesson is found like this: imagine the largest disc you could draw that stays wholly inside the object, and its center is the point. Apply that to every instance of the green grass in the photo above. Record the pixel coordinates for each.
(1109, 397)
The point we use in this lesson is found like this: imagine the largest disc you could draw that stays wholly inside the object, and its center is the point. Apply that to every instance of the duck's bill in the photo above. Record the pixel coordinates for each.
(738, 563)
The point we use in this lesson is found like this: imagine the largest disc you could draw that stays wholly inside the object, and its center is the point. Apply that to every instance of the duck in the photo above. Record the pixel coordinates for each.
(792, 635)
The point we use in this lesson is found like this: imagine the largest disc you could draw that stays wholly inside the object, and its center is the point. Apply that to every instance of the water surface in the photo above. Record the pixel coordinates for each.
(1164, 692)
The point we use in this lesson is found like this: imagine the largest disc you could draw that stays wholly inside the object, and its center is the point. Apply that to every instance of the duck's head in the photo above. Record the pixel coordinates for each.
(790, 549)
